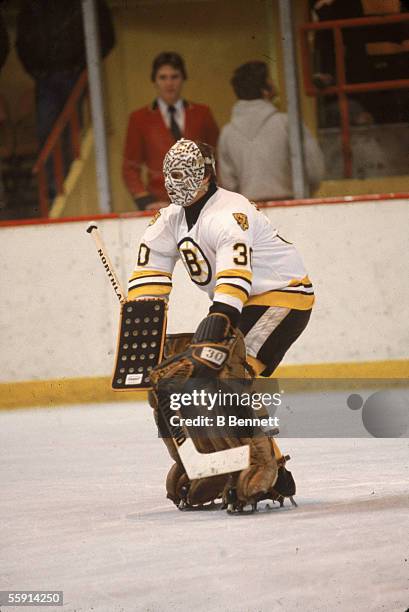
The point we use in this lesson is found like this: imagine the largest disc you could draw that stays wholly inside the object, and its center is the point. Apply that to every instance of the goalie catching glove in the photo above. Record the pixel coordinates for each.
(214, 354)
(208, 354)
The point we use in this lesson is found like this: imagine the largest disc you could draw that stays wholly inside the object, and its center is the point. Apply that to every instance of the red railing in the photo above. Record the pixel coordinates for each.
(403, 198)
(342, 88)
(52, 149)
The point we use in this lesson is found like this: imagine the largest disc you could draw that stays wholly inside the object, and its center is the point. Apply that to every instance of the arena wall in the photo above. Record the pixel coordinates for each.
(59, 315)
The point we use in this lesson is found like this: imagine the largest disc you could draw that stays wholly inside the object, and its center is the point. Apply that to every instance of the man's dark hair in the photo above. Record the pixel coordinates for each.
(208, 154)
(168, 58)
(249, 80)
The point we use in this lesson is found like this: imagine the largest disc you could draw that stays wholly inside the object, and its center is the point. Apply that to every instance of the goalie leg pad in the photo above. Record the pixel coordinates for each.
(200, 491)
(176, 480)
(262, 474)
(206, 490)
(196, 492)
(264, 478)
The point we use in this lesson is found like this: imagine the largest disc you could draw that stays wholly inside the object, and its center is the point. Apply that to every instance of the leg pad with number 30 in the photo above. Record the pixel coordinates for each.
(140, 344)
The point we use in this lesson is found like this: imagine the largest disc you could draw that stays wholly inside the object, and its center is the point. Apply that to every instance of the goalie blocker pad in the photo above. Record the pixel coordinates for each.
(142, 331)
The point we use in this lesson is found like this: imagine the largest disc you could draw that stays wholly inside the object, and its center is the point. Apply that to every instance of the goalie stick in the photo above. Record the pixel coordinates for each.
(197, 465)
(106, 262)
(201, 465)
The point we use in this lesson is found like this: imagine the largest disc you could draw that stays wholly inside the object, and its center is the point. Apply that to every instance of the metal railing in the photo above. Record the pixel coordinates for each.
(342, 88)
(53, 147)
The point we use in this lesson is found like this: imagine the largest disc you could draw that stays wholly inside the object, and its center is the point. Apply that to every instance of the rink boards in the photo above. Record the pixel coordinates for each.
(59, 315)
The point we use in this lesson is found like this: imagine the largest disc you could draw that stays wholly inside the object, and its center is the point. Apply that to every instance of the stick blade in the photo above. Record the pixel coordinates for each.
(202, 465)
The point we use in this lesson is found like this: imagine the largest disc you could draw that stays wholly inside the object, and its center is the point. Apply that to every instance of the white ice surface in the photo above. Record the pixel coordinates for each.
(83, 510)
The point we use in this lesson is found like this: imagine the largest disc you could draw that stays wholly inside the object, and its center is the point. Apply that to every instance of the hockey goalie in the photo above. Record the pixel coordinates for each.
(261, 302)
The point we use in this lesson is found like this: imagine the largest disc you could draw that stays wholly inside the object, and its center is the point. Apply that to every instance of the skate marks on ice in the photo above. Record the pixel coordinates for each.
(368, 504)
(168, 511)
(203, 513)
(83, 507)
(307, 508)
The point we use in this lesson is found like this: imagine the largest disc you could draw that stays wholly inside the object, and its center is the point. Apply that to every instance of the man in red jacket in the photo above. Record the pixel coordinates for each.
(153, 129)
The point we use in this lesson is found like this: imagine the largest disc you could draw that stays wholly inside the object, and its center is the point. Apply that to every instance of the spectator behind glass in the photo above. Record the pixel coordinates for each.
(50, 45)
(253, 152)
(153, 129)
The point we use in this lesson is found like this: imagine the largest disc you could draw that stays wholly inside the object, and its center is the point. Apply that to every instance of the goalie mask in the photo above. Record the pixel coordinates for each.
(184, 171)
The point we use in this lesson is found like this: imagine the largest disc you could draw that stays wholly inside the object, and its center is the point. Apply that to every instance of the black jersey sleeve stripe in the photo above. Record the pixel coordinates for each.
(286, 291)
(305, 285)
(232, 285)
(157, 283)
(220, 278)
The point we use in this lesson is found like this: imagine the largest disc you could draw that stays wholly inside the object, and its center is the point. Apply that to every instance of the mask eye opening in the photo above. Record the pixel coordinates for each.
(176, 174)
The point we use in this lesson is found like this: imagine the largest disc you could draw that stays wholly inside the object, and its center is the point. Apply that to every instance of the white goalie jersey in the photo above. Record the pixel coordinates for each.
(232, 252)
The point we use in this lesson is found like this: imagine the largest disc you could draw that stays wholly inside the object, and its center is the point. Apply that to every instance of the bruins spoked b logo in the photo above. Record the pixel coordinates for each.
(242, 220)
(195, 261)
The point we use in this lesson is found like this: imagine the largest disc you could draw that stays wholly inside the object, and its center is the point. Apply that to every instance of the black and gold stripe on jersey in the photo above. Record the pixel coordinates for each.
(233, 283)
(298, 295)
(148, 283)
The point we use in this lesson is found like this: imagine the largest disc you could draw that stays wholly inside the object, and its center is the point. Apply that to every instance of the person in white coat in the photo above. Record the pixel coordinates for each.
(253, 150)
